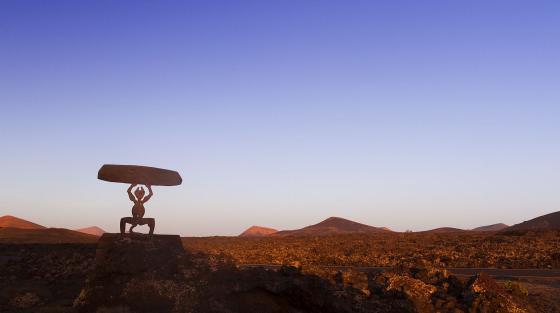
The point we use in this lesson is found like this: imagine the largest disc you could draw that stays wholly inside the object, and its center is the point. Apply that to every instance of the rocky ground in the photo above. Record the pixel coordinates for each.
(519, 249)
(150, 276)
(38, 278)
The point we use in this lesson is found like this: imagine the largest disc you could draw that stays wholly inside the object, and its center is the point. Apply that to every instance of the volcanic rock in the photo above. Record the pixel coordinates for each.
(485, 295)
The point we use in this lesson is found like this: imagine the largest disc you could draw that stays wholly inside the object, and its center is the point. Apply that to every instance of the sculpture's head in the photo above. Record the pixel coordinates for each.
(139, 193)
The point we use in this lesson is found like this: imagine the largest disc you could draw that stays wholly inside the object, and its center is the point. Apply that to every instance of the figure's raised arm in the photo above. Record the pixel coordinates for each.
(130, 195)
(150, 194)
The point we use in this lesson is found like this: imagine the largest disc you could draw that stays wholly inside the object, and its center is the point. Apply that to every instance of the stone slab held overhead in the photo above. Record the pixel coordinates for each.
(136, 174)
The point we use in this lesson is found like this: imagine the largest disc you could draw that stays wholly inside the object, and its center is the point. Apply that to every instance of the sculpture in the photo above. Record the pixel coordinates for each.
(136, 175)
(138, 210)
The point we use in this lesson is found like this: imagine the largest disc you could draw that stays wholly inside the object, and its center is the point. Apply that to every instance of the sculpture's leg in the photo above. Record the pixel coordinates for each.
(152, 224)
(124, 221)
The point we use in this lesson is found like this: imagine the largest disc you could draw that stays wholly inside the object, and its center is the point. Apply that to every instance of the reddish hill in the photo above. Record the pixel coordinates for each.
(15, 222)
(93, 230)
(332, 226)
(46, 235)
(546, 222)
(493, 227)
(443, 230)
(258, 231)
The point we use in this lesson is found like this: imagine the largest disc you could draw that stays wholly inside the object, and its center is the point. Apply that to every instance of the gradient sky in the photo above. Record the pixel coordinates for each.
(405, 114)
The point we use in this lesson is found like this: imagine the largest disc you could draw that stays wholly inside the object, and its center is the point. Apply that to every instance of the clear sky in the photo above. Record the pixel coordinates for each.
(405, 114)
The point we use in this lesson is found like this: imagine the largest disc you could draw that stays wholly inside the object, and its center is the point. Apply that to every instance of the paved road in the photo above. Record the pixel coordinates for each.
(495, 272)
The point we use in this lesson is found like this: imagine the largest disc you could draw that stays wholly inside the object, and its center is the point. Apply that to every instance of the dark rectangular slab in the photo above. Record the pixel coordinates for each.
(136, 174)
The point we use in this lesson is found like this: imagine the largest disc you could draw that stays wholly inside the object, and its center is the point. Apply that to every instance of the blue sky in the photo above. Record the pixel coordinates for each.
(405, 114)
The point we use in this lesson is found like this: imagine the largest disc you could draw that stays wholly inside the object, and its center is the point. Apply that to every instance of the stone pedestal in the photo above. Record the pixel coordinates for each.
(134, 273)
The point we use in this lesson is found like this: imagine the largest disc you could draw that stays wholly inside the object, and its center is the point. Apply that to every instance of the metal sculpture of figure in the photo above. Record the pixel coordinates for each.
(138, 209)
(138, 175)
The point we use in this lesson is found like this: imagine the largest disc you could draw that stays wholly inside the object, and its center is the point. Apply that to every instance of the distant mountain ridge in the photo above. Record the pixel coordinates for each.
(549, 221)
(16, 222)
(92, 230)
(257, 231)
(443, 230)
(493, 227)
(15, 230)
(333, 226)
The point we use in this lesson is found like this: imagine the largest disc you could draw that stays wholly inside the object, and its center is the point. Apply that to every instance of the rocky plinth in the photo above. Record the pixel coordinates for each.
(138, 273)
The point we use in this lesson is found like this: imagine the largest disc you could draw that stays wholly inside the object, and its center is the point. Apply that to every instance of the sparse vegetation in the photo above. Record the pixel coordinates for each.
(516, 288)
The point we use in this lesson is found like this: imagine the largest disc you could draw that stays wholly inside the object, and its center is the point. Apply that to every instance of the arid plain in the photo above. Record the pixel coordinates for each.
(336, 265)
